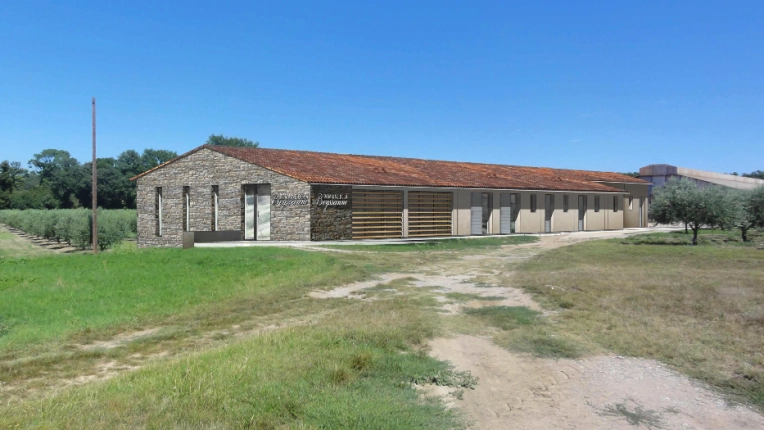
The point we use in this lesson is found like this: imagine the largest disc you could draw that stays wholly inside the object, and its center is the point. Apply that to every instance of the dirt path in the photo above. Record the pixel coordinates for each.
(519, 391)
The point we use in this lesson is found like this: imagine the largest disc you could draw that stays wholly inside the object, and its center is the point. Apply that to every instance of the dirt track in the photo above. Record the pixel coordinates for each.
(519, 391)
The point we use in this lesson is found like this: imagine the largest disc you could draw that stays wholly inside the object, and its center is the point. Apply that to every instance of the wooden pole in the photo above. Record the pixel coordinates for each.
(95, 185)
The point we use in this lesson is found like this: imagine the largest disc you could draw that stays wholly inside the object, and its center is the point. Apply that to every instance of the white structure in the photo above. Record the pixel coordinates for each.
(659, 174)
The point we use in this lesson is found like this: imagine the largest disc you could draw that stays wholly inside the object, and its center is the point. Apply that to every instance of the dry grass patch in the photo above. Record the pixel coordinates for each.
(698, 309)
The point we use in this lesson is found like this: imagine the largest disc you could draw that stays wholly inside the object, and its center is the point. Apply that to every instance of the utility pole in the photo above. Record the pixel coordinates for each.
(95, 185)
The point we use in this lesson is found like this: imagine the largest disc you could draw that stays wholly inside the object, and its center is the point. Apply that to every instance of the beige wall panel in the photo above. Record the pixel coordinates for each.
(462, 207)
(564, 221)
(594, 220)
(527, 221)
(496, 213)
(631, 217)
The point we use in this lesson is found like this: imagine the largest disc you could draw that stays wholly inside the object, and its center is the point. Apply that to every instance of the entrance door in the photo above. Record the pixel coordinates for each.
(640, 211)
(264, 212)
(548, 211)
(581, 212)
(257, 212)
(476, 213)
(487, 203)
(249, 212)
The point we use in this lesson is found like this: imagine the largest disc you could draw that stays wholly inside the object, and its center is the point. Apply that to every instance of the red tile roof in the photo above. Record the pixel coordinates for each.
(328, 168)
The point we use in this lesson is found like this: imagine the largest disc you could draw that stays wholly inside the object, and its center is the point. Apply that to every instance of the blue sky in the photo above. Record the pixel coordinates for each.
(594, 85)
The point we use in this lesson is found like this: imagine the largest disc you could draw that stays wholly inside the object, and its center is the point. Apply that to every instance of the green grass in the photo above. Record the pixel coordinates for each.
(14, 246)
(506, 317)
(441, 245)
(354, 369)
(55, 297)
(465, 297)
(699, 309)
(526, 330)
(705, 237)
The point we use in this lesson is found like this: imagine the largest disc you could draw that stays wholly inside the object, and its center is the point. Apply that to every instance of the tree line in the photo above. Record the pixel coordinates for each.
(56, 180)
(681, 201)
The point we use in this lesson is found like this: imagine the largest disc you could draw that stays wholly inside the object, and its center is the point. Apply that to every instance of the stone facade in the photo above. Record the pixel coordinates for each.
(199, 171)
(330, 212)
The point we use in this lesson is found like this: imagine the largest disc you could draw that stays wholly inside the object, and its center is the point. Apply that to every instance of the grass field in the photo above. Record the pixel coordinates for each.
(699, 309)
(238, 343)
(441, 245)
(14, 246)
(354, 369)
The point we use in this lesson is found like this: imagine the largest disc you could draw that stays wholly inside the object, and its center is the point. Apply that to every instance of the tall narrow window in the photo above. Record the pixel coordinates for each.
(533, 203)
(565, 203)
(186, 208)
(214, 208)
(158, 212)
(615, 203)
(596, 203)
(631, 203)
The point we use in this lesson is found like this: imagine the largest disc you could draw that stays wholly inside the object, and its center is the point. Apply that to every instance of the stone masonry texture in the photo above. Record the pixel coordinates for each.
(200, 171)
(330, 222)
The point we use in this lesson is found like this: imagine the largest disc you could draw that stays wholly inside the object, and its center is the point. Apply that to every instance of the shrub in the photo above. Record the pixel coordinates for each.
(74, 226)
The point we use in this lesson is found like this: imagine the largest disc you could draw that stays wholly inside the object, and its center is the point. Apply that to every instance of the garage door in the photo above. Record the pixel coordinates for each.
(377, 214)
(430, 214)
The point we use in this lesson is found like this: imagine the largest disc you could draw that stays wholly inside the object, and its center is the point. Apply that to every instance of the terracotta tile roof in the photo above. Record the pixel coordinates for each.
(328, 168)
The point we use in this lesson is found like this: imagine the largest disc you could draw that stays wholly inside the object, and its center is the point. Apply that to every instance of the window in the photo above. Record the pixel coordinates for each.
(631, 203)
(158, 211)
(533, 203)
(186, 208)
(596, 203)
(214, 208)
(565, 203)
(615, 203)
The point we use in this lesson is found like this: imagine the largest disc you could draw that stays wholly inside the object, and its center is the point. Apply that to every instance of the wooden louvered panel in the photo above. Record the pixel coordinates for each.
(430, 214)
(377, 214)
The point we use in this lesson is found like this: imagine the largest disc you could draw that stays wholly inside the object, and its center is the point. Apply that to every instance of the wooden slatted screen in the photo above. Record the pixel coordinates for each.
(377, 214)
(430, 214)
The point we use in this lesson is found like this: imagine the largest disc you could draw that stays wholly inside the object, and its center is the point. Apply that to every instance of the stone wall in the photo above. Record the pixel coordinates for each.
(330, 219)
(200, 171)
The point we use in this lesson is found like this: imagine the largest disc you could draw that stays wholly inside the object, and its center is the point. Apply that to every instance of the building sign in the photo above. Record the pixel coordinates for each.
(284, 200)
(326, 200)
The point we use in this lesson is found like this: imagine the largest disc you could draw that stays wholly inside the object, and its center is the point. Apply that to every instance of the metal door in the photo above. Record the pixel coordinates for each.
(476, 213)
(264, 212)
(486, 200)
(548, 211)
(505, 214)
(249, 212)
(581, 212)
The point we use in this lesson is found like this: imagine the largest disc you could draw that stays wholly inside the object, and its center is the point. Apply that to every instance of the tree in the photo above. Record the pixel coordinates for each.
(154, 157)
(6, 185)
(682, 201)
(748, 210)
(756, 174)
(220, 140)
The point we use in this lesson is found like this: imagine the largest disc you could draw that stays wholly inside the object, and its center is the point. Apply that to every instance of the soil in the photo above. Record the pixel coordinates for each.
(519, 391)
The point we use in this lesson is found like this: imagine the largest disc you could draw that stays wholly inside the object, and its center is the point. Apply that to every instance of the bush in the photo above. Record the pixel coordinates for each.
(73, 226)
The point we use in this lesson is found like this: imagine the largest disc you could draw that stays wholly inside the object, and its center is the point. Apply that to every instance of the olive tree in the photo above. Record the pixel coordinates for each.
(748, 210)
(682, 201)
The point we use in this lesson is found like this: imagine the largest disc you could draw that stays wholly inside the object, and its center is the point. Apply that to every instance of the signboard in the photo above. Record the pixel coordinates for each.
(290, 200)
(326, 200)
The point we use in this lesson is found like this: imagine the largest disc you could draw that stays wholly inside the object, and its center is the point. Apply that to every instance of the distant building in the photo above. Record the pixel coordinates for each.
(659, 174)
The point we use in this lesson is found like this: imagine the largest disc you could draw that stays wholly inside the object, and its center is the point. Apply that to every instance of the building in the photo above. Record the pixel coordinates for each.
(225, 193)
(659, 174)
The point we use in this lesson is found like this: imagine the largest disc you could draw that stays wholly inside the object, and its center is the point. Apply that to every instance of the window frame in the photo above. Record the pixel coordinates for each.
(533, 203)
(596, 203)
(158, 211)
(615, 203)
(565, 206)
